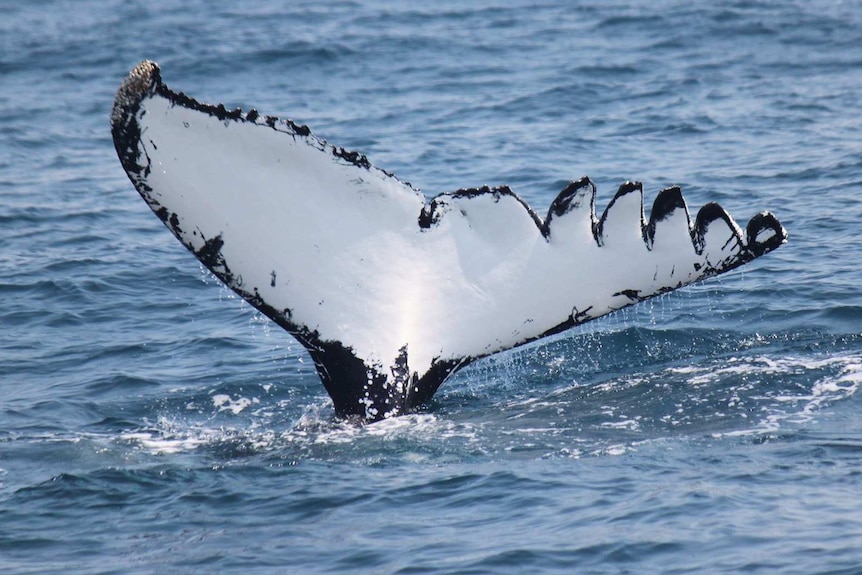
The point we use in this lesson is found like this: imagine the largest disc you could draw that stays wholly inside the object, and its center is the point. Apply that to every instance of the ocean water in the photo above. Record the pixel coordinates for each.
(152, 422)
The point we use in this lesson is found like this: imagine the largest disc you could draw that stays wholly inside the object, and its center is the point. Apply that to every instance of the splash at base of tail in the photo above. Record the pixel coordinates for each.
(389, 292)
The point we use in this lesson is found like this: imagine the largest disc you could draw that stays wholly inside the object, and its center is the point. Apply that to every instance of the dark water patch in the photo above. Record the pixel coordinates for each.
(120, 384)
(298, 54)
(642, 21)
(454, 491)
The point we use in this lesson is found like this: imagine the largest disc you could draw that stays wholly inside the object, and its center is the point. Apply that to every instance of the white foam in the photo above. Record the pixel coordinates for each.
(156, 443)
(235, 406)
(627, 424)
(612, 450)
(796, 409)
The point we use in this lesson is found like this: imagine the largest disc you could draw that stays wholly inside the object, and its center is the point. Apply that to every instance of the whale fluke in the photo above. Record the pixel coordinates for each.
(390, 293)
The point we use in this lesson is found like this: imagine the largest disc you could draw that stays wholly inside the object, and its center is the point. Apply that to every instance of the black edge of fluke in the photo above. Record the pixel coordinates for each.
(373, 392)
(760, 223)
(624, 190)
(569, 199)
(709, 213)
(666, 203)
(125, 131)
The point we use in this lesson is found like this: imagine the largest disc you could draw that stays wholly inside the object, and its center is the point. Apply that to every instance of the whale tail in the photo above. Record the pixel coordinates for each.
(389, 292)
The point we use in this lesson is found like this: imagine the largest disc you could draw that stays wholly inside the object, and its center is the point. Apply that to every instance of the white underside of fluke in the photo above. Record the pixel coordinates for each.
(356, 256)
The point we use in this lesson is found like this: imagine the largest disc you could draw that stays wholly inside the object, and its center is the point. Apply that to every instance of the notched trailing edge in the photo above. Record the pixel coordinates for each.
(337, 363)
(145, 79)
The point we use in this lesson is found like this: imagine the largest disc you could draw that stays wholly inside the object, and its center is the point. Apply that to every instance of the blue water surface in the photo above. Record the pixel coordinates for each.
(152, 422)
